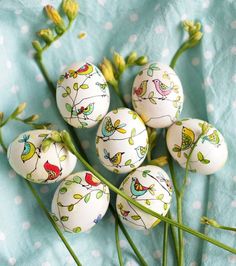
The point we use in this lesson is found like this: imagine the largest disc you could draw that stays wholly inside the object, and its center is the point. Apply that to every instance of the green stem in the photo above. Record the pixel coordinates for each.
(124, 231)
(43, 207)
(1, 141)
(227, 228)
(180, 232)
(117, 91)
(119, 253)
(173, 234)
(71, 147)
(178, 53)
(165, 244)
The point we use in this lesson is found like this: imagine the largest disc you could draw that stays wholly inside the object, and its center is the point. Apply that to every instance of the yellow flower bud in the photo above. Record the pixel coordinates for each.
(142, 60)
(46, 35)
(31, 119)
(160, 161)
(18, 110)
(55, 17)
(131, 58)
(107, 71)
(119, 62)
(37, 45)
(71, 8)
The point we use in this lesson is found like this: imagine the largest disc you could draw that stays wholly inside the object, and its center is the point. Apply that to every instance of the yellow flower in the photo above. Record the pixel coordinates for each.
(119, 62)
(55, 17)
(71, 8)
(108, 73)
(46, 35)
(160, 161)
(132, 57)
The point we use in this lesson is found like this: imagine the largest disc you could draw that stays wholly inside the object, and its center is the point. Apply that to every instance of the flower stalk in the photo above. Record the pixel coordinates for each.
(213, 223)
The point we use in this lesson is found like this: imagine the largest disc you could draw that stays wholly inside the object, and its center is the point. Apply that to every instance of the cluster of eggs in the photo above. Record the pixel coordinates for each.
(121, 143)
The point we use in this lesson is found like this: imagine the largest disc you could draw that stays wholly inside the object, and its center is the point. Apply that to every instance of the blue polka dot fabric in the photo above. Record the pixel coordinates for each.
(208, 75)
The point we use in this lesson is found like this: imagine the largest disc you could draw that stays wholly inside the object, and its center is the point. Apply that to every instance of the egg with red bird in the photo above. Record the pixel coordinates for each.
(27, 157)
(82, 95)
(157, 95)
(80, 202)
(150, 186)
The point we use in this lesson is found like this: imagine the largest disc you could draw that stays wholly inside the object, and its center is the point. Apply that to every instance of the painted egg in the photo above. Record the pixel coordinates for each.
(157, 95)
(150, 186)
(210, 152)
(82, 95)
(80, 202)
(27, 158)
(122, 141)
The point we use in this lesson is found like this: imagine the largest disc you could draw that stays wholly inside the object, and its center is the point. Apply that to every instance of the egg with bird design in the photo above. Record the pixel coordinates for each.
(122, 141)
(27, 157)
(80, 202)
(82, 95)
(157, 95)
(150, 186)
(208, 154)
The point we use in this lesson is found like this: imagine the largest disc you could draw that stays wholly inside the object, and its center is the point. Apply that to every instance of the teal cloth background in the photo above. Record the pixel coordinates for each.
(208, 75)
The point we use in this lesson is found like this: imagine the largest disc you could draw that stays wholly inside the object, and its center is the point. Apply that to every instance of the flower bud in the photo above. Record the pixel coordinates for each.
(18, 110)
(46, 35)
(55, 136)
(31, 119)
(1, 117)
(37, 45)
(108, 73)
(131, 58)
(206, 220)
(142, 60)
(119, 62)
(55, 17)
(160, 161)
(71, 8)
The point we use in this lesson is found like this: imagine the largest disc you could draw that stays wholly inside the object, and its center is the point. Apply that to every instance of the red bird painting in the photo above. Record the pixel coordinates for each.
(92, 180)
(52, 170)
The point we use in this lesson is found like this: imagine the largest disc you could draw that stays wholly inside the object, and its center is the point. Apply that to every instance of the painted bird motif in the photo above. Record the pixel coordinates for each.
(141, 151)
(123, 212)
(141, 90)
(187, 141)
(108, 129)
(83, 70)
(212, 138)
(163, 89)
(52, 170)
(29, 149)
(86, 111)
(92, 180)
(115, 160)
(138, 189)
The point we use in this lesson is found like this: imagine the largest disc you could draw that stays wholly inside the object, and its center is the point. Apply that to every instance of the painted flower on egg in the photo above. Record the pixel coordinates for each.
(83, 96)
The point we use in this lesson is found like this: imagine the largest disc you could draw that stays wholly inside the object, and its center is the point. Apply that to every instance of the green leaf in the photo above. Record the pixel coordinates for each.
(83, 124)
(77, 196)
(133, 132)
(136, 217)
(63, 157)
(140, 73)
(63, 190)
(64, 94)
(200, 156)
(43, 135)
(64, 218)
(70, 207)
(28, 176)
(99, 194)
(151, 94)
(128, 162)
(68, 90)
(75, 86)
(160, 197)
(145, 173)
(68, 107)
(59, 204)
(148, 202)
(68, 182)
(46, 145)
(77, 229)
(77, 179)
(154, 66)
(178, 123)
(54, 217)
(165, 206)
(150, 72)
(87, 198)
(99, 117)
(84, 86)
(176, 149)
(131, 141)
(132, 166)
(205, 161)
(185, 155)
(152, 101)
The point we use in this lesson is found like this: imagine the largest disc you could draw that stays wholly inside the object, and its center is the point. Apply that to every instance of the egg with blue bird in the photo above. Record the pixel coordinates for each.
(157, 95)
(150, 186)
(121, 141)
(82, 95)
(27, 158)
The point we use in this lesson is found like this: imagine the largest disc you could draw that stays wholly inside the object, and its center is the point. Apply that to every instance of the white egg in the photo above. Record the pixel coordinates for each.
(122, 141)
(82, 95)
(150, 186)
(210, 152)
(27, 158)
(80, 202)
(157, 95)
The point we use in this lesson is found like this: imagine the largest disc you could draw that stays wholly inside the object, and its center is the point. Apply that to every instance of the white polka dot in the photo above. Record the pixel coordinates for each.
(165, 52)
(12, 261)
(8, 64)
(233, 24)
(96, 253)
(24, 29)
(2, 236)
(123, 243)
(157, 7)
(233, 50)
(197, 205)
(232, 258)
(18, 11)
(195, 61)
(39, 77)
(11, 174)
(37, 245)
(234, 106)
(133, 17)
(159, 29)
(90, 58)
(57, 44)
(207, 28)
(205, 3)
(184, 17)
(209, 205)
(15, 89)
(234, 178)
(204, 257)
(26, 225)
(132, 263)
(46, 103)
(85, 144)
(233, 203)
(46, 263)
(210, 108)
(18, 200)
(133, 38)
(208, 54)
(127, 98)
(208, 81)
(108, 25)
(44, 189)
(1, 40)
(101, 2)
(234, 78)
(157, 254)
(193, 263)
